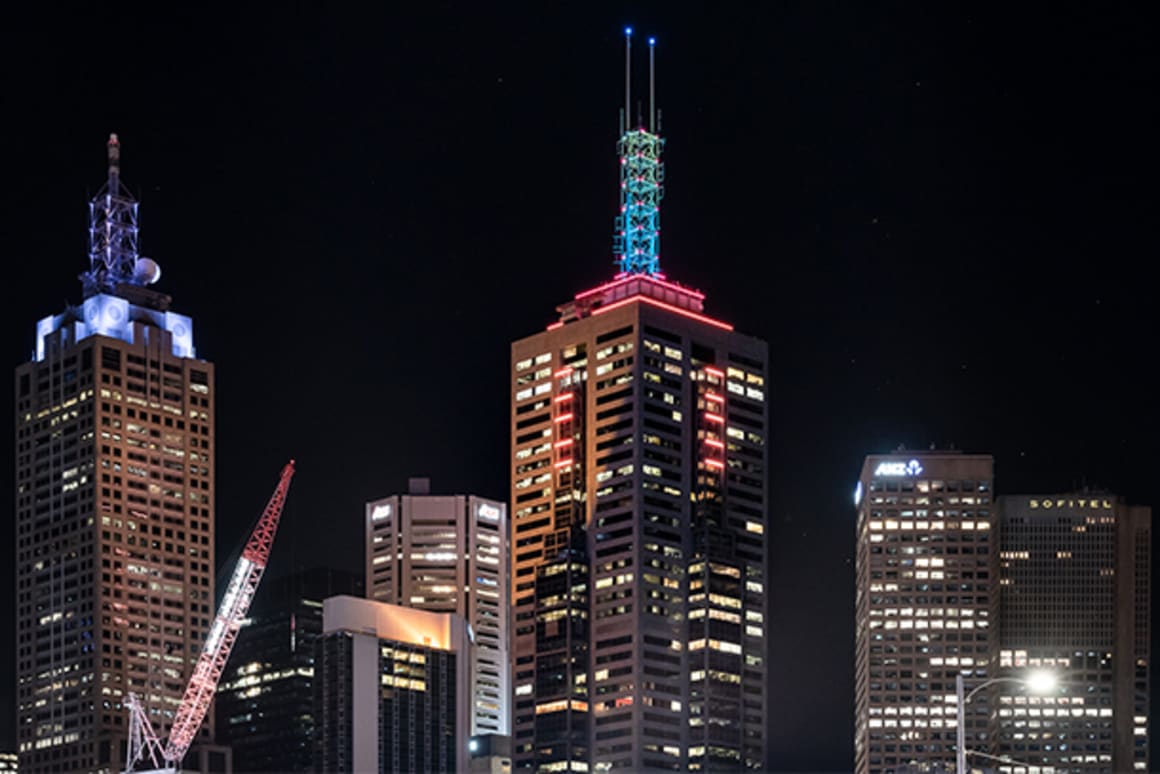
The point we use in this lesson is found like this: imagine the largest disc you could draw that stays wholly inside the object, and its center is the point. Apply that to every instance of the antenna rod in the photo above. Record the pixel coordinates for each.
(114, 147)
(627, 76)
(652, 85)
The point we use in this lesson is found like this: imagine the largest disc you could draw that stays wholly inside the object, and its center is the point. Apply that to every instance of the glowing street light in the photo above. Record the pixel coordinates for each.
(1040, 682)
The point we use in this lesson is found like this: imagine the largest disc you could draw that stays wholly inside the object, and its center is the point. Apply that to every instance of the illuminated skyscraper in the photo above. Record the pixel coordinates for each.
(114, 547)
(1076, 598)
(926, 603)
(448, 554)
(638, 439)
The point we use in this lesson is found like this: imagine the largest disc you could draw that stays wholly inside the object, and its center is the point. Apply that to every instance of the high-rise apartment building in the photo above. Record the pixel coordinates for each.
(114, 547)
(265, 702)
(925, 607)
(449, 553)
(1075, 600)
(639, 508)
(390, 690)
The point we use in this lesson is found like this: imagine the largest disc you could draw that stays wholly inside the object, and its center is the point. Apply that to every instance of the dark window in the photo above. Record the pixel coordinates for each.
(111, 358)
(616, 334)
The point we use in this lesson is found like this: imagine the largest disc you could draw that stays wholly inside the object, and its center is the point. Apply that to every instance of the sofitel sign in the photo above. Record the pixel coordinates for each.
(1094, 503)
(912, 468)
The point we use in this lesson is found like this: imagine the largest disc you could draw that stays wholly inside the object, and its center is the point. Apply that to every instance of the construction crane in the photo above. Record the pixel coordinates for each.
(143, 740)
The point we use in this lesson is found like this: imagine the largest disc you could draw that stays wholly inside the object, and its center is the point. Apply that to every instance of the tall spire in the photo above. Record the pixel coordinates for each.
(114, 258)
(637, 237)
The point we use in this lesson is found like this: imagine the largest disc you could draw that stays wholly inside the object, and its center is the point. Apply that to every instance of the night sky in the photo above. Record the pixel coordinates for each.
(940, 220)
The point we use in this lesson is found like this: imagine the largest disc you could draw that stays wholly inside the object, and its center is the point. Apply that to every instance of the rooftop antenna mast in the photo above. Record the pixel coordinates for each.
(652, 85)
(627, 80)
(113, 231)
(636, 241)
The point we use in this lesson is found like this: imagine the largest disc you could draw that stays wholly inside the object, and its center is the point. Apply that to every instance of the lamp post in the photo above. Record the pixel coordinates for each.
(1039, 682)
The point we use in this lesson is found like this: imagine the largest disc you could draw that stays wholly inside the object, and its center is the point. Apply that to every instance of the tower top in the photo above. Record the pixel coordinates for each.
(637, 230)
(114, 258)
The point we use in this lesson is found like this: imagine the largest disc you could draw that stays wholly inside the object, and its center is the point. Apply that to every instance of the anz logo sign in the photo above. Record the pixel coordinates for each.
(908, 469)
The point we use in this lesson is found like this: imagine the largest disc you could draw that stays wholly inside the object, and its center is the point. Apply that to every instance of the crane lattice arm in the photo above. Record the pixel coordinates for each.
(220, 640)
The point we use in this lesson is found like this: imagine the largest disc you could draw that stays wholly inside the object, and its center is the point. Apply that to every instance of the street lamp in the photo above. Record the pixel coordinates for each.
(1038, 682)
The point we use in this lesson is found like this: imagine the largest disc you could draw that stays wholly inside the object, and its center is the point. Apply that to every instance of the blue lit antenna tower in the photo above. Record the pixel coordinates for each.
(637, 241)
(114, 258)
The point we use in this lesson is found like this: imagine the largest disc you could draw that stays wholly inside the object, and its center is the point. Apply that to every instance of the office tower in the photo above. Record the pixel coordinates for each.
(8, 761)
(1075, 600)
(926, 603)
(390, 689)
(638, 440)
(114, 546)
(448, 553)
(265, 703)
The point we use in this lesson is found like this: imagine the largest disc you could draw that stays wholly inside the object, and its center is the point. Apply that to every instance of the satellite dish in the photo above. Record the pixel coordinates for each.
(146, 271)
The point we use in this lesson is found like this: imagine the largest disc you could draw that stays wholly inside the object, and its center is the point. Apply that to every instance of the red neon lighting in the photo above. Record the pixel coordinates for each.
(715, 464)
(564, 442)
(563, 371)
(714, 417)
(630, 277)
(662, 305)
(715, 442)
(563, 463)
(714, 396)
(555, 325)
(714, 371)
(563, 396)
(564, 417)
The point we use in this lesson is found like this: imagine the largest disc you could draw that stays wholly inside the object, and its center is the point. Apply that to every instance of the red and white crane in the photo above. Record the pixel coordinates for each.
(143, 740)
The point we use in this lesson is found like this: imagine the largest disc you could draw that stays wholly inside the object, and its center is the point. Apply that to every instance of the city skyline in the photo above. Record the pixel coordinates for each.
(903, 205)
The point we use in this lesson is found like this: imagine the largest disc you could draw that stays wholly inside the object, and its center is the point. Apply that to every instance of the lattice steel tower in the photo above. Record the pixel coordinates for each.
(637, 239)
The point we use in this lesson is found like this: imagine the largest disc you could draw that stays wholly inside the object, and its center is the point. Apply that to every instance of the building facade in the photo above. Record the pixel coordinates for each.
(391, 689)
(448, 553)
(926, 604)
(639, 429)
(1075, 600)
(265, 702)
(114, 541)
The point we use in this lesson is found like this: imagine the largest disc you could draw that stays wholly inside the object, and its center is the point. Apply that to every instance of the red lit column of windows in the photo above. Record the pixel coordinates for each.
(711, 424)
(567, 451)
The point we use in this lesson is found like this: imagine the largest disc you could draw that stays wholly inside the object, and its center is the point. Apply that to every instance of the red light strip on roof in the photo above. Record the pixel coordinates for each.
(662, 305)
(555, 325)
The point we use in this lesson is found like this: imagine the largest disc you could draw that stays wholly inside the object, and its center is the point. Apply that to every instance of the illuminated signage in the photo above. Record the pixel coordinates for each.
(1094, 504)
(912, 468)
(381, 512)
(489, 512)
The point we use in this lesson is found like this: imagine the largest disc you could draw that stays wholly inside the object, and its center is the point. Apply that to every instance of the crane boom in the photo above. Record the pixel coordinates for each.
(224, 631)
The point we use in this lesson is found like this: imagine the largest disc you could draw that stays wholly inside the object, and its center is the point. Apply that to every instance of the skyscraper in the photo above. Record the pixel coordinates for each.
(114, 545)
(448, 553)
(265, 703)
(926, 602)
(638, 440)
(1075, 599)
